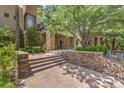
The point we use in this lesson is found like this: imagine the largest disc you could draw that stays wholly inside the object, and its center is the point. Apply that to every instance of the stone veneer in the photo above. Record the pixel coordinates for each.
(94, 61)
(50, 41)
(23, 65)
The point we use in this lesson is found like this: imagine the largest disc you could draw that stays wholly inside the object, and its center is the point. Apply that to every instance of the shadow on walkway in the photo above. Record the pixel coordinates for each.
(92, 78)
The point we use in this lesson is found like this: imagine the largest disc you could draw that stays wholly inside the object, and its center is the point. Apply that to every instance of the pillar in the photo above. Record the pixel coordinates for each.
(50, 41)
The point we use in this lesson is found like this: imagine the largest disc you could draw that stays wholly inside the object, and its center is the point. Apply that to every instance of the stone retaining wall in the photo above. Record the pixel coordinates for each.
(95, 61)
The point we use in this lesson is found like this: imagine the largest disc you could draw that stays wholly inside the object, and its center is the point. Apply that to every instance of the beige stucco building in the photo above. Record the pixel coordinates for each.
(26, 14)
(8, 16)
(18, 17)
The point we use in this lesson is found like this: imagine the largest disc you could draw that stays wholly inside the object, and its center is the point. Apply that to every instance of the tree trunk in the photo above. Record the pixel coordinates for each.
(85, 41)
(113, 44)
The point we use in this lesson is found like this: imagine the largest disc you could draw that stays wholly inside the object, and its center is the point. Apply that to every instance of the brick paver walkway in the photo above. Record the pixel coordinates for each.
(70, 76)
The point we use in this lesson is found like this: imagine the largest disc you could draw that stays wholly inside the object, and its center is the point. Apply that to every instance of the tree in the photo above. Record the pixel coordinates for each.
(33, 37)
(81, 22)
(115, 37)
(115, 29)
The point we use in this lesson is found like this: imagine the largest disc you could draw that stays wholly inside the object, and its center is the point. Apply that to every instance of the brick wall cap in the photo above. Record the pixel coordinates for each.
(21, 52)
(82, 51)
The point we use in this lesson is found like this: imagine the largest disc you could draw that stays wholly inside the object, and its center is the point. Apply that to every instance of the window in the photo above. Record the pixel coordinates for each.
(30, 20)
(6, 15)
(14, 17)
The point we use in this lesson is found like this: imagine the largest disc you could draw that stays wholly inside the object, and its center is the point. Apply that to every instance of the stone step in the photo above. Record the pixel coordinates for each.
(26, 75)
(39, 64)
(45, 60)
(34, 70)
(47, 57)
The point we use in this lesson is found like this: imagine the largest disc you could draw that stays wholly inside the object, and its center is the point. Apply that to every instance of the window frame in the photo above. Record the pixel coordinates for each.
(25, 27)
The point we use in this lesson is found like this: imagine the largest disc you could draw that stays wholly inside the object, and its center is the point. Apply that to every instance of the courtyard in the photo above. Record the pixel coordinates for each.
(58, 77)
(69, 75)
(61, 46)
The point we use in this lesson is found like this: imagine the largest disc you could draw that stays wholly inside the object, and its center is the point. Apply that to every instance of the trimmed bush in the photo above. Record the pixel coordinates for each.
(97, 48)
(32, 49)
(38, 49)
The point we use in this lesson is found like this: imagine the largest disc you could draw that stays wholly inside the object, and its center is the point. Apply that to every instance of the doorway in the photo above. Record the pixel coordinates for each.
(60, 44)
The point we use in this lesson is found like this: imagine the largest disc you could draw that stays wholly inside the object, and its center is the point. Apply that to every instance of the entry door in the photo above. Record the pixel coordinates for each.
(60, 44)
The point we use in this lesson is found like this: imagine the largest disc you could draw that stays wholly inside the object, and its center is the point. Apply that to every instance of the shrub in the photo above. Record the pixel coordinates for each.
(33, 37)
(22, 49)
(97, 48)
(7, 57)
(29, 50)
(6, 36)
(5, 81)
(7, 62)
(37, 49)
(32, 49)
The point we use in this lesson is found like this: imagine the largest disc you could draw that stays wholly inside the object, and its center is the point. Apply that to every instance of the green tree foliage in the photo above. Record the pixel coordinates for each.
(5, 36)
(82, 22)
(116, 38)
(7, 57)
(33, 37)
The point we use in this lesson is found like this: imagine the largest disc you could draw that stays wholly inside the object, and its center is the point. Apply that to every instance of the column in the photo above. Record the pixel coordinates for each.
(50, 41)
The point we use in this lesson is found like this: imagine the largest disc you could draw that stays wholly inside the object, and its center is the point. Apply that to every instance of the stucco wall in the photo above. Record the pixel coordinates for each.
(10, 22)
(67, 42)
(32, 9)
(21, 17)
(11, 10)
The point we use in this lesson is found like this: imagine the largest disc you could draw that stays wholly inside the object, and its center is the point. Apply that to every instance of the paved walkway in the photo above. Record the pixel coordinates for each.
(70, 76)
(34, 56)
